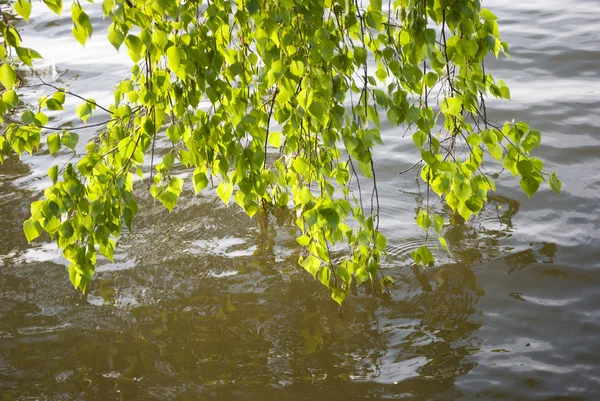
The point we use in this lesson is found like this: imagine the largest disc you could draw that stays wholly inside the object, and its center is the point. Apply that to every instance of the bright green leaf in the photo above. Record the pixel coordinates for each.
(451, 106)
(32, 229)
(555, 183)
(53, 142)
(23, 8)
(275, 139)
(70, 139)
(224, 190)
(8, 75)
(530, 185)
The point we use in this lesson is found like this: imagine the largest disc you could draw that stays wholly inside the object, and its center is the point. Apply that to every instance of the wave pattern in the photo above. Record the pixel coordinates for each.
(204, 303)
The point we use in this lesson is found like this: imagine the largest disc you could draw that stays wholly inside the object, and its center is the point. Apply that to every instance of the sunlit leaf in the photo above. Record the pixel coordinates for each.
(8, 76)
(23, 8)
(53, 141)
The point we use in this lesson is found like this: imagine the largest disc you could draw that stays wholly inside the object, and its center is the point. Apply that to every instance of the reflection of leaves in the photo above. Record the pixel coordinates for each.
(519, 260)
(313, 330)
(548, 250)
(107, 291)
(538, 253)
(172, 322)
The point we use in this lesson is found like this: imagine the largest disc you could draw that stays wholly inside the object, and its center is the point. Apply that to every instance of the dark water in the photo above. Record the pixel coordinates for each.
(204, 303)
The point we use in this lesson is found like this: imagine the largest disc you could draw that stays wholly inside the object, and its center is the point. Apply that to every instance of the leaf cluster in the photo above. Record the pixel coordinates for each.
(277, 103)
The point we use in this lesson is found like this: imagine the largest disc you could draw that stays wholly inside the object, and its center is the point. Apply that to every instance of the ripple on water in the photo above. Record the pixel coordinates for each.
(203, 302)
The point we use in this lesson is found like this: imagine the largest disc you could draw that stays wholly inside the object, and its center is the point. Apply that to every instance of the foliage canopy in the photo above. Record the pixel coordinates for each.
(273, 103)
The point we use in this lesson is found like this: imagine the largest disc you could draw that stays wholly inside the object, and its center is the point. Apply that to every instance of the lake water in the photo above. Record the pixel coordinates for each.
(204, 303)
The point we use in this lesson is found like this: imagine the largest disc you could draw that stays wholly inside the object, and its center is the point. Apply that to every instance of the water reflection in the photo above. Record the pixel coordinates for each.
(204, 302)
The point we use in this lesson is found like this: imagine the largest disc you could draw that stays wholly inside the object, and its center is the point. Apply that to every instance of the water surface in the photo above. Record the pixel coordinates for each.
(204, 303)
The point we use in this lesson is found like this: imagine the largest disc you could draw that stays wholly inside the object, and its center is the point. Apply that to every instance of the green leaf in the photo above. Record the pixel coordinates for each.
(171, 193)
(451, 106)
(107, 6)
(224, 190)
(54, 5)
(10, 98)
(300, 165)
(555, 183)
(115, 36)
(317, 110)
(28, 117)
(419, 139)
(275, 139)
(525, 168)
(373, 19)
(79, 34)
(66, 230)
(532, 140)
(430, 79)
(445, 245)
(23, 8)
(487, 15)
(27, 55)
(53, 142)
(175, 55)
(474, 204)
(423, 219)
(53, 174)
(134, 46)
(530, 185)
(387, 281)
(305, 196)
(373, 116)
(361, 274)
(327, 50)
(59, 96)
(312, 265)
(176, 185)
(32, 229)
(70, 139)
(331, 216)
(438, 223)
(376, 5)
(464, 211)
(82, 28)
(8, 75)
(303, 240)
(54, 105)
(339, 295)
(324, 276)
(423, 256)
(84, 111)
(108, 250)
(41, 119)
(200, 180)
(253, 6)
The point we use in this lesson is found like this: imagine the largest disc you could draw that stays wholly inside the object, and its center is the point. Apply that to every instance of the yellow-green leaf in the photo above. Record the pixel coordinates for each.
(8, 75)
(53, 142)
(451, 106)
(224, 190)
(23, 8)
(32, 229)
(275, 139)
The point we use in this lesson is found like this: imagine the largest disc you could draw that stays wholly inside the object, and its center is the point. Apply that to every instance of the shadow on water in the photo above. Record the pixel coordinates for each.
(204, 303)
